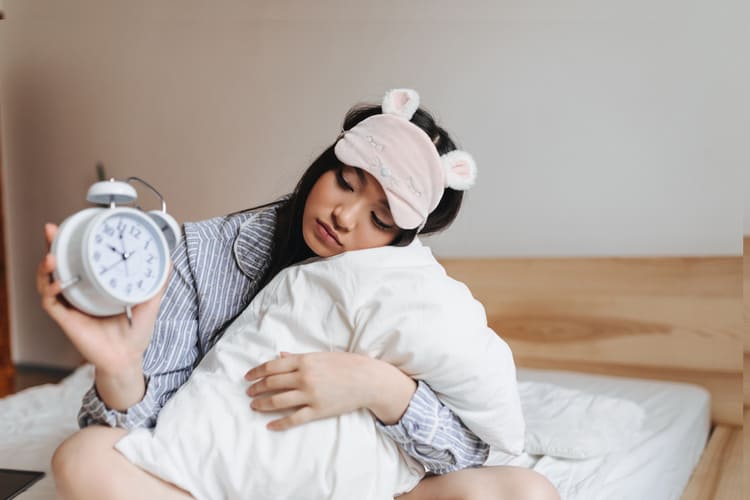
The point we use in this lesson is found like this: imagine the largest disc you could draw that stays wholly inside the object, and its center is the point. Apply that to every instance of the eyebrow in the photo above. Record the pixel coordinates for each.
(363, 181)
(361, 175)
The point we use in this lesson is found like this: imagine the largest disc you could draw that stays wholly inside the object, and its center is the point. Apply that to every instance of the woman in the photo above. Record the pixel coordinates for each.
(220, 266)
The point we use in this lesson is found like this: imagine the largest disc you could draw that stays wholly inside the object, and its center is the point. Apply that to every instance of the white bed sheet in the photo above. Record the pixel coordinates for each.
(658, 465)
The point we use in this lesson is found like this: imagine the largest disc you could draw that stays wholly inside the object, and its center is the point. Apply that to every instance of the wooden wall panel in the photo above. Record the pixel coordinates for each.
(746, 371)
(661, 318)
(6, 365)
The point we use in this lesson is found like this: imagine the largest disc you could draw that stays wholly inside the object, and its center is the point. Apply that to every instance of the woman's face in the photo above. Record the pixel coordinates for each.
(347, 210)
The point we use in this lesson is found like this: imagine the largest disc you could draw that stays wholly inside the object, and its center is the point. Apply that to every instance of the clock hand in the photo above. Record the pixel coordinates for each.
(123, 258)
(125, 253)
(111, 266)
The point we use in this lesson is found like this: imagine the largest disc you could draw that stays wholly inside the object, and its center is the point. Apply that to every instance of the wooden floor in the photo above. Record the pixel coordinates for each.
(30, 375)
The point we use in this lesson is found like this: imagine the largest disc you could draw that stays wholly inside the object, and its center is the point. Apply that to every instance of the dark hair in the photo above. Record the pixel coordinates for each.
(289, 247)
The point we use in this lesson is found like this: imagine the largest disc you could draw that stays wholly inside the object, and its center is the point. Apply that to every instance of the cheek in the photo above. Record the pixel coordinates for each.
(374, 237)
(312, 201)
(320, 193)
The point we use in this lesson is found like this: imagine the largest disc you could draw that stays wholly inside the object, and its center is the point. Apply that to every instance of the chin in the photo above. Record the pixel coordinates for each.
(314, 245)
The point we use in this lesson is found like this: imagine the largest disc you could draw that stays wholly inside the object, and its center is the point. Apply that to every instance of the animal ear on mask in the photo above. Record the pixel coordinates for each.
(401, 102)
(460, 170)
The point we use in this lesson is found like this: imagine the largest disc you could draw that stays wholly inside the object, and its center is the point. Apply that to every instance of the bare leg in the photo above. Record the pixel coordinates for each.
(485, 483)
(86, 465)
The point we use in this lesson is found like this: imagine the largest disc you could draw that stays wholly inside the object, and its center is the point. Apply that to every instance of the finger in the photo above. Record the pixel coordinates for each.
(55, 305)
(50, 231)
(275, 366)
(49, 297)
(280, 401)
(299, 417)
(44, 273)
(274, 383)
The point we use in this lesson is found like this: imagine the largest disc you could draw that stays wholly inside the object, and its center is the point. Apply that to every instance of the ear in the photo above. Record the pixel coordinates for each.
(460, 170)
(401, 102)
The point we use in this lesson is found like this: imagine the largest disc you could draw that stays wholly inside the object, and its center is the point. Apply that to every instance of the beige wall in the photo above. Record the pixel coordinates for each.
(600, 128)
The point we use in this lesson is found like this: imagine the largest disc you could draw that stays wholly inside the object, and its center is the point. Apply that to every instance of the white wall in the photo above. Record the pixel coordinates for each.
(600, 128)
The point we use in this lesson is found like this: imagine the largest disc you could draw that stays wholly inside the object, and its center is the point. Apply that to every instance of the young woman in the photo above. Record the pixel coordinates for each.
(219, 267)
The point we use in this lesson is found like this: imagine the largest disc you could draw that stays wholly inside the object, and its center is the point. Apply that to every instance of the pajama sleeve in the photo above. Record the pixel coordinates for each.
(434, 436)
(168, 360)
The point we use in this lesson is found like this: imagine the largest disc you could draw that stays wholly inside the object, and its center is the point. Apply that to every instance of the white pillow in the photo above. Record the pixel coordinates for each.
(395, 304)
(569, 423)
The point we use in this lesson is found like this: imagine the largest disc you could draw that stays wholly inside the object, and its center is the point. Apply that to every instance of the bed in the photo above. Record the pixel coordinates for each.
(666, 333)
(657, 465)
(681, 319)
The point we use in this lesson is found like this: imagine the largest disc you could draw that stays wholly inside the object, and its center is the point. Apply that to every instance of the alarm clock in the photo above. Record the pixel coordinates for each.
(112, 257)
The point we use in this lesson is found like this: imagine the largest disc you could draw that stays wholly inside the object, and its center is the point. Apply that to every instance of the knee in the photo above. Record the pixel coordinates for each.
(530, 485)
(517, 483)
(69, 463)
(78, 462)
(63, 467)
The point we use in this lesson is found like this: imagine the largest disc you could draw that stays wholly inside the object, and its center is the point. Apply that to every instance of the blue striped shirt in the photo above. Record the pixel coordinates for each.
(217, 269)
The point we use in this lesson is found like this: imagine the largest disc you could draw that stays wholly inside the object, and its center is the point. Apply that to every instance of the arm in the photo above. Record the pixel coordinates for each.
(133, 397)
(333, 383)
(433, 435)
(129, 361)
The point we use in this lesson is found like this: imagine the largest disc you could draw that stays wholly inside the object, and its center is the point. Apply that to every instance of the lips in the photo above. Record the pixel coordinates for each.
(326, 229)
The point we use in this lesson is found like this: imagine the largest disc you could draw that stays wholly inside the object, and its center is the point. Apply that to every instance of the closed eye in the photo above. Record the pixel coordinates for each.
(342, 181)
(380, 224)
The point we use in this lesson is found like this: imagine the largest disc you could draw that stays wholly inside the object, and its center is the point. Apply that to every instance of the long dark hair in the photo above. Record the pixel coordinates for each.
(288, 245)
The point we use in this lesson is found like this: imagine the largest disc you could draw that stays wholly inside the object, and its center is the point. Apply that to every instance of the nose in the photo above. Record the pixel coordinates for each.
(345, 215)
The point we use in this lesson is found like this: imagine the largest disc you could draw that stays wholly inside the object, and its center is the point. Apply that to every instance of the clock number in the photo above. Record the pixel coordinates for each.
(150, 259)
(113, 283)
(108, 230)
(129, 288)
(140, 284)
(147, 244)
(149, 272)
(121, 226)
(98, 238)
(135, 232)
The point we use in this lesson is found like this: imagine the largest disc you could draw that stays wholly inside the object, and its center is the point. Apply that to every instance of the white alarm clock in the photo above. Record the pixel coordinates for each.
(110, 259)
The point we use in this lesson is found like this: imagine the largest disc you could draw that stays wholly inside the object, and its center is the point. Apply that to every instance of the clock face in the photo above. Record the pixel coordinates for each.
(126, 255)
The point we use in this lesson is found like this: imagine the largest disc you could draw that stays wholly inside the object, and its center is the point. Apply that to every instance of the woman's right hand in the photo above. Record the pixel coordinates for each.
(113, 346)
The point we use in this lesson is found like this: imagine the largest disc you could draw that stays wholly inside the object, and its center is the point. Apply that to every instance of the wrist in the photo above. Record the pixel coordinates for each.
(121, 388)
(391, 392)
(121, 371)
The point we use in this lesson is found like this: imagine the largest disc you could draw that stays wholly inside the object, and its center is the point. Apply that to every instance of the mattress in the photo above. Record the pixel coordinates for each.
(657, 466)
(660, 460)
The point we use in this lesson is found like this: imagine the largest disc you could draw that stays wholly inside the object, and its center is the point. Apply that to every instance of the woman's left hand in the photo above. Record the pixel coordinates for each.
(325, 384)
